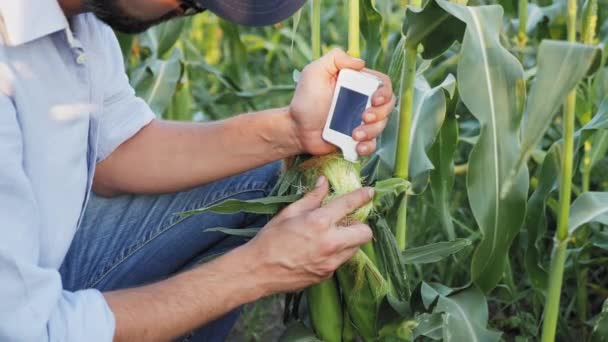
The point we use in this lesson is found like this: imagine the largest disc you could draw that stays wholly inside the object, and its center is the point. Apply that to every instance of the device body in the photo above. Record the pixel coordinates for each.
(352, 96)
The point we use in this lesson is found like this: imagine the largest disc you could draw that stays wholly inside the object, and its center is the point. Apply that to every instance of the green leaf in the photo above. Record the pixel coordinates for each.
(156, 82)
(433, 27)
(298, 332)
(561, 66)
(600, 329)
(588, 207)
(465, 317)
(267, 205)
(389, 187)
(433, 252)
(429, 112)
(491, 85)
(536, 220)
(370, 22)
(429, 325)
(161, 38)
(244, 232)
(394, 268)
(442, 177)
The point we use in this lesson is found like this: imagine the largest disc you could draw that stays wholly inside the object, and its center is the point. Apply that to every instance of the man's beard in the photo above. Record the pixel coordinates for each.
(112, 14)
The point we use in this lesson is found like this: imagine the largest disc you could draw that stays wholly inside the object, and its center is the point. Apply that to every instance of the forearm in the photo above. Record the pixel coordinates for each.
(173, 307)
(170, 156)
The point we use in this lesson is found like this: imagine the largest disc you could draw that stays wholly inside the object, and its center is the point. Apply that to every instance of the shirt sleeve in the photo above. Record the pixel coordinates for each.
(123, 113)
(33, 304)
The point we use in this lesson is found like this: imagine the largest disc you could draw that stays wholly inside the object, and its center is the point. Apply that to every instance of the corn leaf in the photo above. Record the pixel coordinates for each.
(161, 38)
(156, 81)
(433, 252)
(465, 317)
(442, 177)
(491, 85)
(433, 27)
(561, 66)
(266, 205)
(429, 112)
(429, 325)
(425, 296)
(588, 207)
(244, 232)
(370, 23)
(600, 329)
(536, 219)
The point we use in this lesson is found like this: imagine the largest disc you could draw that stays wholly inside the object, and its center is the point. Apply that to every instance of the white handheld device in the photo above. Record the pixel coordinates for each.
(352, 97)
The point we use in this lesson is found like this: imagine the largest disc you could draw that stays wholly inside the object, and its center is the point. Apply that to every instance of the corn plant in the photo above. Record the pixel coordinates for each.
(491, 178)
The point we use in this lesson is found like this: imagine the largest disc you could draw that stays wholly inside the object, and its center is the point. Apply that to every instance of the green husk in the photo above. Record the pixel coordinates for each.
(343, 176)
(326, 310)
(363, 288)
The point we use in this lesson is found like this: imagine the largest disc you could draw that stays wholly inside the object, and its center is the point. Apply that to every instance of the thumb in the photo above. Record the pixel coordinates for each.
(336, 59)
(311, 200)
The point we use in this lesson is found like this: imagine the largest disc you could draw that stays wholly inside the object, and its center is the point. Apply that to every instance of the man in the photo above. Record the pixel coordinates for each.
(123, 268)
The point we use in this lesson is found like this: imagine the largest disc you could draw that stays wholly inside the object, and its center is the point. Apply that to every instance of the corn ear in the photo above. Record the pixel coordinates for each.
(325, 310)
(363, 288)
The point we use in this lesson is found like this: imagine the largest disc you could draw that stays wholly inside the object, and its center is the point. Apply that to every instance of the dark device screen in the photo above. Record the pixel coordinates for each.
(347, 113)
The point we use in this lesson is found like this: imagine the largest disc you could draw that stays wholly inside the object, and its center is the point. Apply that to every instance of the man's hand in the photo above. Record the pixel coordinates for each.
(304, 245)
(310, 105)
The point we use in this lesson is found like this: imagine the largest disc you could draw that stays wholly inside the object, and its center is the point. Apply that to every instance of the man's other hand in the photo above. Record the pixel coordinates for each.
(310, 105)
(304, 243)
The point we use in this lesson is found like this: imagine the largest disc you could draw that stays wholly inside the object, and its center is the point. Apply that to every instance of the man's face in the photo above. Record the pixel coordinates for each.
(133, 16)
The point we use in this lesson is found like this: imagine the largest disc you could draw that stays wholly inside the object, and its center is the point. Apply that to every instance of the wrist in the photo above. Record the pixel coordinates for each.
(284, 130)
(250, 270)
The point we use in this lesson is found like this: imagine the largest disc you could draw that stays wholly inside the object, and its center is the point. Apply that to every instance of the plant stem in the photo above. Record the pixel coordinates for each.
(353, 29)
(558, 258)
(588, 36)
(355, 51)
(403, 137)
(405, 113)
(316, 29)
(522, 36)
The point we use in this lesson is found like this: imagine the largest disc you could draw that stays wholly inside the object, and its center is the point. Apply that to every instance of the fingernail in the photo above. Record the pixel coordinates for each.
(358, 60)
(320, 181)
(363, 149)
(380, 99)
(370, 117)
(359, 135)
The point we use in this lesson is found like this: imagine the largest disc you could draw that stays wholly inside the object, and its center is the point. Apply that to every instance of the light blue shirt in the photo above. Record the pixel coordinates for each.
(65, 104)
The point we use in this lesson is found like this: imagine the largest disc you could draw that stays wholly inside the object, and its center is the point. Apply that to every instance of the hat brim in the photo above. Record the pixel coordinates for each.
(253, 12)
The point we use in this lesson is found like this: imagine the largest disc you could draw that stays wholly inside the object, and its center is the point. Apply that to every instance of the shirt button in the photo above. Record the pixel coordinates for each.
(81, 59)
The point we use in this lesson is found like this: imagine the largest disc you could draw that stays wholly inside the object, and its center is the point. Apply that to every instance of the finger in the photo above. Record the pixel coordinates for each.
(336, 59)
(310, 201)
(345, 255)
(366, 148)
(385, 91)
(346, 204)
(369, 131)
(352, 236)
(374, 114)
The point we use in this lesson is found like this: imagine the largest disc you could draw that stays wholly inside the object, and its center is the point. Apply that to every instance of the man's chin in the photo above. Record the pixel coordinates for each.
(111, 14)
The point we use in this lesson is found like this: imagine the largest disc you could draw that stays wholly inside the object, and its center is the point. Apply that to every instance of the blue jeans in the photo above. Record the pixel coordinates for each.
(132, 240)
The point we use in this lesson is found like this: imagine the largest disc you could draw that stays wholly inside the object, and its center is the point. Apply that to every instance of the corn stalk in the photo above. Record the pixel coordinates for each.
(588, 37)
(522, 36)
(558, 258)
(403, 138)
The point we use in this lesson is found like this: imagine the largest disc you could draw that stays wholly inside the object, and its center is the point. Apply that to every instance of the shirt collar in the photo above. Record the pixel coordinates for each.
(25, 20)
